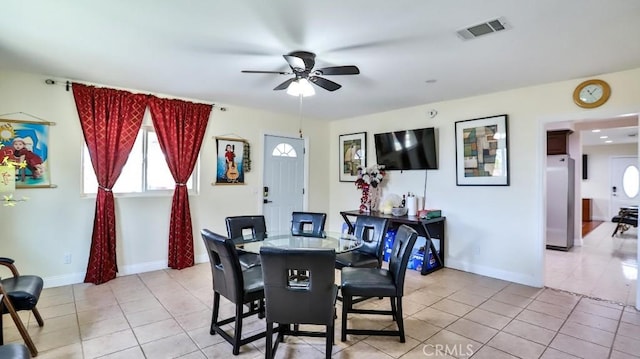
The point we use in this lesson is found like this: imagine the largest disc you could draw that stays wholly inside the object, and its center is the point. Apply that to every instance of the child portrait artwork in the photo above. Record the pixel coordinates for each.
(230, 166)
(26, 142)
(352, 152)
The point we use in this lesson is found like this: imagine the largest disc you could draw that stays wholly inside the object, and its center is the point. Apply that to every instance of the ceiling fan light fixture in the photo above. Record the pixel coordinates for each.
(302, 87)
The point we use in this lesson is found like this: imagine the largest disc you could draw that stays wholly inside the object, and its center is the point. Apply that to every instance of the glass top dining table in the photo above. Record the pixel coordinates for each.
(341, 242)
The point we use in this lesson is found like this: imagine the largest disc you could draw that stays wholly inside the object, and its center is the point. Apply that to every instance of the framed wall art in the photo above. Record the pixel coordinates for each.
(482, 152)
(353, 154)
(27, 142)
(230, 165)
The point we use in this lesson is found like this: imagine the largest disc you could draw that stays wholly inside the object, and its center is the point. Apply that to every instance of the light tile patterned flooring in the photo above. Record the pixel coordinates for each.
(449, 313)
(603, 267)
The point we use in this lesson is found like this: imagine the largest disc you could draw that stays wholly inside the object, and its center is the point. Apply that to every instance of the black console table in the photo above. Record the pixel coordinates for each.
(428, 228)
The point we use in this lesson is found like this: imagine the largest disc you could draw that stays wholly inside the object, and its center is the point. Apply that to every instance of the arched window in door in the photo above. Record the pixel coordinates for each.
(284, 150)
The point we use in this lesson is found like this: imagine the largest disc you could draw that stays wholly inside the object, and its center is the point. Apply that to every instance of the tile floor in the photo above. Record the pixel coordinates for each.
(448, 314)
(604, 267)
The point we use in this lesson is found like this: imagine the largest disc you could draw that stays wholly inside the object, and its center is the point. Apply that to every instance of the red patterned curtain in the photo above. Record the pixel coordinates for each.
(110, 121)
(180, 126)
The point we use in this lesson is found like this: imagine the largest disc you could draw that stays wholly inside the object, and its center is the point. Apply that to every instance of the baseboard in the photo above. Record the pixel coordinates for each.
(60, 280)
(202, 258)
(75, 278)
(495, 273)
(141, 267)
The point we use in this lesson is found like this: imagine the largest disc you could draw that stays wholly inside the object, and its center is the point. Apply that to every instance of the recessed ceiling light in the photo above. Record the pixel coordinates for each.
(604, 136)
(608, 141)
(595, 131)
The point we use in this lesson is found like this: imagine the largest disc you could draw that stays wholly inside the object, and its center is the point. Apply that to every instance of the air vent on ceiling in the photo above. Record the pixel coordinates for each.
(485, 28)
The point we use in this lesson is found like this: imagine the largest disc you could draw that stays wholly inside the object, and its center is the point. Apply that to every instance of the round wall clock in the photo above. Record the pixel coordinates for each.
(591, 93)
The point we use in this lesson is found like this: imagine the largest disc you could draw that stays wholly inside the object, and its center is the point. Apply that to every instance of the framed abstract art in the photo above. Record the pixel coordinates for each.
(482, 152)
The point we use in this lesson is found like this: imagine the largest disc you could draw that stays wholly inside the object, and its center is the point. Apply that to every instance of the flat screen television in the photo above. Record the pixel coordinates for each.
(407, 149)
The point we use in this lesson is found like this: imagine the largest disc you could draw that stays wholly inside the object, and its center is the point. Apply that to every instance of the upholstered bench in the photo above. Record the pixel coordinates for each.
(625, 220)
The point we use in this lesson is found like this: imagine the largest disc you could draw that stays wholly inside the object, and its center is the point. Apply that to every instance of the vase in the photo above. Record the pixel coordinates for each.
(374, 198)
(365, 200)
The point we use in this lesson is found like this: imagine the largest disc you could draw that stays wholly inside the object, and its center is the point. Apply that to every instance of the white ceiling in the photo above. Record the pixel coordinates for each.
(618, 135)
(196, 49)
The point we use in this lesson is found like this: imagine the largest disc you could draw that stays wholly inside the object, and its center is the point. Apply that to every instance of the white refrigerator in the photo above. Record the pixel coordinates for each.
(560, 202)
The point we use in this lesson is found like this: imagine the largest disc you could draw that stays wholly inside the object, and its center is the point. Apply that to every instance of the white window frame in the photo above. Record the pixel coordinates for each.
(144, 192)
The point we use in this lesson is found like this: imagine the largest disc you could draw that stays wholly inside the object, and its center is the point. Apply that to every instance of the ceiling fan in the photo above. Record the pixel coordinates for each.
(301, 63)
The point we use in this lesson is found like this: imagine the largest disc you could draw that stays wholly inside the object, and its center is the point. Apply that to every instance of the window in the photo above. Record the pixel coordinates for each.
(146, 170)
(630, 180)
(284, 150)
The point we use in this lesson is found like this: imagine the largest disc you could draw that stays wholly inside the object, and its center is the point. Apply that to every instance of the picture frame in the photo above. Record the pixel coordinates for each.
(482, 157)
(230, 166)
(352, 151)
(27, 142)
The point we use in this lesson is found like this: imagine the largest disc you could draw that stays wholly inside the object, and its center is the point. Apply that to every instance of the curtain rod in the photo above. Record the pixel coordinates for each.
(69, 84)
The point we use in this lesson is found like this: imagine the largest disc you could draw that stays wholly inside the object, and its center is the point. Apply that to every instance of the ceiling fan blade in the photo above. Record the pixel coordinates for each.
(266, 72)
(295, 62)
(339, 70)
(324, 83)
(285, 84)
(308, 58)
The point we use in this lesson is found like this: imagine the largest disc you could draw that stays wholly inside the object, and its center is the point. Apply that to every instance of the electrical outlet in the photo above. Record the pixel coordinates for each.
(66, 258)
(476, 250)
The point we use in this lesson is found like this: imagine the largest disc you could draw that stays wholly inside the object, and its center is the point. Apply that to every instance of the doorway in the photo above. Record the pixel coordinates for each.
(603, 266)
(283, 181)
(624, 183)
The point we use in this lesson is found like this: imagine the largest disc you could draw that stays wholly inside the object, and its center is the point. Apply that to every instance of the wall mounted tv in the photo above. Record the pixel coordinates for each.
(407, 149)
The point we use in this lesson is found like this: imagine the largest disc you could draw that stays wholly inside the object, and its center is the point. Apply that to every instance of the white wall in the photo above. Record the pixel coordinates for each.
(495, 231)
(598, 184)
(38, 232)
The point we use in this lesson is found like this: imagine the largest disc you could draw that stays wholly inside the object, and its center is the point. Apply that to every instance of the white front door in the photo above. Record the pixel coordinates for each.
(283, 181)
(624, 183)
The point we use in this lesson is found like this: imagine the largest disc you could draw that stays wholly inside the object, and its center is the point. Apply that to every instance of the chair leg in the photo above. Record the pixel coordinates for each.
(16, 319)
(394, 309)
(399, 320)
(346, 304)
(237, 336)
(214, 315)
(333, 327)
(616, 230)
(269, 348)
(36, 314)
(261, 309)
(329, 342)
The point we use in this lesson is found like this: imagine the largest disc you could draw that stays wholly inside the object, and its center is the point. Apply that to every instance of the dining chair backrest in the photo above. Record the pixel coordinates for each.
(238, 225)
(371, 230)
(400, 253)
(300, 220)
(225, 266)
(310, 301)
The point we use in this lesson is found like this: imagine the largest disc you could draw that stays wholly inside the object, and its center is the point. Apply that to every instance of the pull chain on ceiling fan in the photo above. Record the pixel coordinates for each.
(301, 64)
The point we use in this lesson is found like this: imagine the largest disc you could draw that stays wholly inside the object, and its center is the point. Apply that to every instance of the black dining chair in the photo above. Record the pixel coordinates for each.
(239, 286)
(300, 221)
(20, 292)
(376, 282)
(372, 231)
(289, 301)
(237, 226)
(14, 351)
